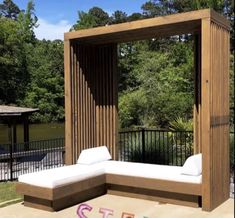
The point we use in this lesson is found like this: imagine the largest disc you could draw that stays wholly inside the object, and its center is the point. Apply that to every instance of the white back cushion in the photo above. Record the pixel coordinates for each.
(193, 165)
(94, 155)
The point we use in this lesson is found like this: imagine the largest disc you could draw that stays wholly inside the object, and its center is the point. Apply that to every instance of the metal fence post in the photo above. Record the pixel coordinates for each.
(11, 156)
(143, 145)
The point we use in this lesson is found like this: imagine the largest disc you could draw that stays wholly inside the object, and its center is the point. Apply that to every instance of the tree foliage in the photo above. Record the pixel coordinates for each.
(45, 90)
(155, 76)
(31, 71)
(164, 80)
(13, 67)
(9, 9)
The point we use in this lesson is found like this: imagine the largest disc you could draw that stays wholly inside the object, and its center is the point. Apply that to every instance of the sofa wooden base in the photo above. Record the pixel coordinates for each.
(54, 199)
(155, 195)
(59, 204)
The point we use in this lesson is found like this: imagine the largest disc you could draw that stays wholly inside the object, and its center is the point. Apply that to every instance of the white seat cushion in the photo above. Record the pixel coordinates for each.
(153, 171)
(62, 175)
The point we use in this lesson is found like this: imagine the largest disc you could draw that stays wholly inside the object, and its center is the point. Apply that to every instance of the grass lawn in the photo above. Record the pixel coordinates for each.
(7, 193)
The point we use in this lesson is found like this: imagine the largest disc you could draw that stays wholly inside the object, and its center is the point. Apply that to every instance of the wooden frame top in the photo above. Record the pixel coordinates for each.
(170, 25)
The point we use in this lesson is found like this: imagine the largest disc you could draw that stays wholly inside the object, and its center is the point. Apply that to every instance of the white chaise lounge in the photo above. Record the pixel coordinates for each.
(95, 174)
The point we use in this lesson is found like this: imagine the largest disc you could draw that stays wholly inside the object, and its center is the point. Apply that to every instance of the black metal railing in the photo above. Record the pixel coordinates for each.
(155, 146)
(160, 146)
(22, 158)
(141, 145)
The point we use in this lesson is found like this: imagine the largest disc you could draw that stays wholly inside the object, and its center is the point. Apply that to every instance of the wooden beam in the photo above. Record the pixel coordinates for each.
(180, 23)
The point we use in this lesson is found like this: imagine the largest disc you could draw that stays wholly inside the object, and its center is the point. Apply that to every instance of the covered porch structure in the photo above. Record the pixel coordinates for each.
(12, 116)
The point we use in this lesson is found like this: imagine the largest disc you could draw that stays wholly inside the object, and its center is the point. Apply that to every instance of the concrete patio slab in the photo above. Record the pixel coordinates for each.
(120, 205)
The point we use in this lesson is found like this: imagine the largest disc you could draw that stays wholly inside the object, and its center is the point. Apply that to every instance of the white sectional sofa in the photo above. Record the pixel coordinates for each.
(95, 174)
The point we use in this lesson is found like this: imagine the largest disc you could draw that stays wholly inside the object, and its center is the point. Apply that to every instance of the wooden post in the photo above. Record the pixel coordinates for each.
(214, 114)
(14, 137)
(26, 133)
(205, 125)
(68, 110)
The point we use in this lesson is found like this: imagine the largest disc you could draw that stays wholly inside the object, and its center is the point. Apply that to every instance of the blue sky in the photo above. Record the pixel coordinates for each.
(57, 16)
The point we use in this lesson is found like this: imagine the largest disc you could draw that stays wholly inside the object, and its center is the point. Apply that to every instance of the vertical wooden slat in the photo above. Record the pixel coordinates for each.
(72, 103)
(88, 98)
(214, 103)
(97, 98)
(79, 102)
(82, 98)
(226, 165)
(94, 95)
(100, 98)
(197, 95)
(68, 109)
(106, 59)
(91, 99)
(75, 101)
(115, 102)
(94, 76)
(108, 95)
(111, 130)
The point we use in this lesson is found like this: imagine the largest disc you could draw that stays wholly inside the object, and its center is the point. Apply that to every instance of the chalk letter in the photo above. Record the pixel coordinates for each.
(106, 212)
(128, 215)
(81, 208)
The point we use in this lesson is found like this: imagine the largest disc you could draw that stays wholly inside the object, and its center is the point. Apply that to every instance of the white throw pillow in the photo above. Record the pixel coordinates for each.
(94, 155)
(193, 165)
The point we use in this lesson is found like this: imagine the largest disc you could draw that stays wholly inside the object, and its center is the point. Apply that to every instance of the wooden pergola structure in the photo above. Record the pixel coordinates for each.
(91, 102)
(14, 115)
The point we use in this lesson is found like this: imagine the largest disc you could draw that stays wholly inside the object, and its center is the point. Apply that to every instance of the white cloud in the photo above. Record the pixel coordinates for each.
(52, 31)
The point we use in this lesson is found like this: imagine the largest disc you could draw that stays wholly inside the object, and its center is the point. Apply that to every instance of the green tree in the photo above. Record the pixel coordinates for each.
(85, 21)
(118, 17)
(135, 16)
(132, 108)
(28, 21)
(9, 9)
(93, 18)
(13, 67)
(165, 82)
(101, 17)
(46, 90)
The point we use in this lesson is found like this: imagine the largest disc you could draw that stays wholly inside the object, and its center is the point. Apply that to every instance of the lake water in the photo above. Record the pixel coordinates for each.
(36, 132)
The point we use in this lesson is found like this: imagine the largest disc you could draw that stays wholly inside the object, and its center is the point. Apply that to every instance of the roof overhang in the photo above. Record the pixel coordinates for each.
(12, 111)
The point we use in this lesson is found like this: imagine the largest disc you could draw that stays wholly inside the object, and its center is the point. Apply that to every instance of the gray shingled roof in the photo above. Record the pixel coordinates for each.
(15, 111)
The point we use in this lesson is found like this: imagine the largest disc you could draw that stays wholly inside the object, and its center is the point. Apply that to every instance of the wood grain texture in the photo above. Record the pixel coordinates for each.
(154, 195)
(67, 201)
(197, 95)
(68, 106)
(215, 113)
(93, 112)
(169, 25)
(52, 199)
(154, 184)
